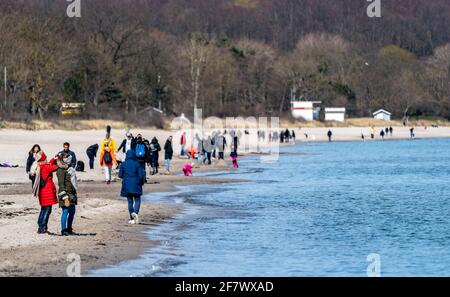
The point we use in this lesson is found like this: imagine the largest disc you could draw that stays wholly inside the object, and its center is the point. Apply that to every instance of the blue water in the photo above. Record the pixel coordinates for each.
(319, 211)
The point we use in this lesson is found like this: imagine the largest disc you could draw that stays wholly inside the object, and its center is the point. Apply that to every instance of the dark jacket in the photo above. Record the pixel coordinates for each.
(123, 145)
(155, 148)
(168, 149)
(132, 175)
(30, 162)
(74, 157)
(92, 150)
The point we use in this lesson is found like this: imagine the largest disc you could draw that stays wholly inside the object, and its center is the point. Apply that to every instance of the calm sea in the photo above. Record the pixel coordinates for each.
(319, 211)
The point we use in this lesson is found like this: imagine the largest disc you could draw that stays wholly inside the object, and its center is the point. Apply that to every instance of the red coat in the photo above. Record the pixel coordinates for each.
(183, 139)
(47, 194)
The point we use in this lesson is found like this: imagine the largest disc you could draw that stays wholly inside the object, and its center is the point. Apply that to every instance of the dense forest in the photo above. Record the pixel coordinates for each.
(228, 57)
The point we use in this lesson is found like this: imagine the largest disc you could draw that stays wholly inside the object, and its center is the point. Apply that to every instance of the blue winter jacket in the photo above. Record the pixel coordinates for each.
(132, 175)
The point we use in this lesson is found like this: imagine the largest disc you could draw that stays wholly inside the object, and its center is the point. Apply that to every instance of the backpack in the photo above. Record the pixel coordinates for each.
(140, 150)
(107, 158)
(80, 166)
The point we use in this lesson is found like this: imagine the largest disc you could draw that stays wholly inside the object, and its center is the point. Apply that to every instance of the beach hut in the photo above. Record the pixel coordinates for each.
(306, 110)
(382, 115)
(335, 114)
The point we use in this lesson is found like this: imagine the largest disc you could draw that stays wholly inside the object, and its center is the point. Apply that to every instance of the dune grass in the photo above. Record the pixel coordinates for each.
(77, 125)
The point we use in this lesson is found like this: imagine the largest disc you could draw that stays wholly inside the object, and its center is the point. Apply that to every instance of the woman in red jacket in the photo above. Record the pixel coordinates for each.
(45, 189)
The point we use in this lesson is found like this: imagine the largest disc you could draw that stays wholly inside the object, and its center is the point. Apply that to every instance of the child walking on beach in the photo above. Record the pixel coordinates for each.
(234, 157)
(67, 192)
(187, 169)
(44, 188)
(133, 177)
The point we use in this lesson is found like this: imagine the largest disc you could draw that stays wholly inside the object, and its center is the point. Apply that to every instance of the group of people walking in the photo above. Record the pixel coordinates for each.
(147, 153)
(383, 133)
(132, 170)
(205, 149)
(284, 136)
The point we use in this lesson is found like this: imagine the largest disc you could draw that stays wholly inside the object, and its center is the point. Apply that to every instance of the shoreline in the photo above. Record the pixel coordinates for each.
(102, 216)
(106, 238)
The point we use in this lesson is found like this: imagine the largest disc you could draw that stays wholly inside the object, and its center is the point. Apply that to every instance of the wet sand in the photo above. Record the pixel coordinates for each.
(101, 220)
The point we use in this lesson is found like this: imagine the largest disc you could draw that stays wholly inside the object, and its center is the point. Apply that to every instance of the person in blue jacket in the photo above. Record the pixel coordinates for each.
(67, 151)
(132, 176)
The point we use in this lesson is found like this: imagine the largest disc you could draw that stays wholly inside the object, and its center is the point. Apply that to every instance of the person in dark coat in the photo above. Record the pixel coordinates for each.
(155, 148)
(133, 177)
(140, 147)
(329, 134)
(67, 150)
(168, 153)
(91, 152)
(67, 193)
(287, 136)
(125, 146)
(30, 160)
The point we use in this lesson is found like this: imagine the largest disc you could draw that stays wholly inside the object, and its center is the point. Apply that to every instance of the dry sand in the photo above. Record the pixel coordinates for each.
(102, 215)
(101, 218)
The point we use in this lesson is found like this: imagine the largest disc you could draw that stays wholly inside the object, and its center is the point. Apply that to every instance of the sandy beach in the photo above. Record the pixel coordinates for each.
(101, 219)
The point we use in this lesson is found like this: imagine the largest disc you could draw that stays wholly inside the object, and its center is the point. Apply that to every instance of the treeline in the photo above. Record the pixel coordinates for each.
(228, 57)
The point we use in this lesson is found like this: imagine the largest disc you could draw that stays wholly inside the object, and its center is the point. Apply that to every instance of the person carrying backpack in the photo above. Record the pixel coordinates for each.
(107, 156)
(133, 178)
(67, 193)
(141, 152)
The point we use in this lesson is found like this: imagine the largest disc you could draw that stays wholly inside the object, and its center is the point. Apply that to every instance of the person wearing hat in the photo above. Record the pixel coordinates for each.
(108, 155)
(67, 192)
(44, 188)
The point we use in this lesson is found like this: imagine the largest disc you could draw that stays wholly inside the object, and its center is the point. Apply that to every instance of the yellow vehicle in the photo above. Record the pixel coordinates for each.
(68, 108)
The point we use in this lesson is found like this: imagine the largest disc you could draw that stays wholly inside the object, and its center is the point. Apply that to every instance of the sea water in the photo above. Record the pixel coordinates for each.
(320, 210)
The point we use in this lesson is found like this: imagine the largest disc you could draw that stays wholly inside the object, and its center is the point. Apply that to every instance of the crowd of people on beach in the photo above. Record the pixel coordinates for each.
(283, 136)
(132, 170)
